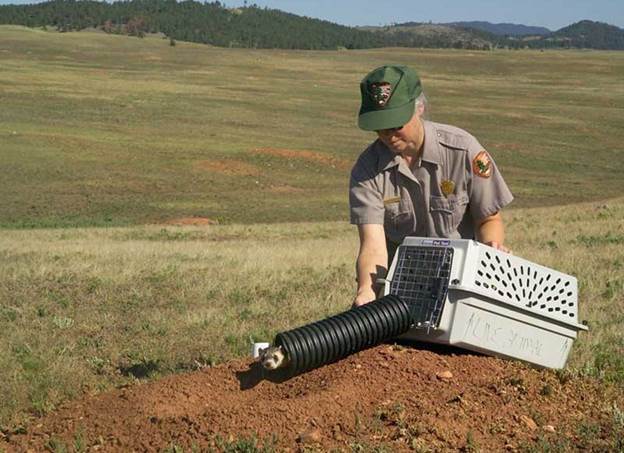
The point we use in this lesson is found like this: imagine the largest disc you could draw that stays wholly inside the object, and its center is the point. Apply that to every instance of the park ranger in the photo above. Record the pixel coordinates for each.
(418, 178)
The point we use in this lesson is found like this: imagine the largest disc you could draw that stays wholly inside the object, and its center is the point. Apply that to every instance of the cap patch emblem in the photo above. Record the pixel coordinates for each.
(380, 93)
(447, 187)
(482, 165)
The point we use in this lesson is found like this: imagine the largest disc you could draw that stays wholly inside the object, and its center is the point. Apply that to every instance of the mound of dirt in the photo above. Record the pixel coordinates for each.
(394, 397)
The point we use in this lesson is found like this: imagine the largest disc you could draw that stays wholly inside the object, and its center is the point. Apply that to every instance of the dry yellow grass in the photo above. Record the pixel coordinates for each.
(84, 309)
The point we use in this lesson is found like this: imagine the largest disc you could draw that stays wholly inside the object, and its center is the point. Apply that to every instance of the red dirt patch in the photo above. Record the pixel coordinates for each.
(183, 221)
(310, 156)
(392, 397)
(230, 167)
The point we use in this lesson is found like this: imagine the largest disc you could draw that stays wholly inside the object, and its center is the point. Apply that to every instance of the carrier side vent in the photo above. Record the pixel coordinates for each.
(517, 281)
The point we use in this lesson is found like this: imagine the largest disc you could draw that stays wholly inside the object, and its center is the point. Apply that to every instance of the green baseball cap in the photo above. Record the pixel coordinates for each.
(388, 96)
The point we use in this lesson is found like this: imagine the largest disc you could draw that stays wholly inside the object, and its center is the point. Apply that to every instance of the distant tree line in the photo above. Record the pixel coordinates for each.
(255, 27)
(209, 23)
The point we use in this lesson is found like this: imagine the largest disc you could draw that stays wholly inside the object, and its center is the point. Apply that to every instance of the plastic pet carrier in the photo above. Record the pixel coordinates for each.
(469, 295)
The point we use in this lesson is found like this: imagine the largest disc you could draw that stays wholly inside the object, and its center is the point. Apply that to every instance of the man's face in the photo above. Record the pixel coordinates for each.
(404, 140)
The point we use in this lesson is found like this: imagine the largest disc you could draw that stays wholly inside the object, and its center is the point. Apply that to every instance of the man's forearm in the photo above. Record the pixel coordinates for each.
(370, 267)
(371, 262)
(491, 231)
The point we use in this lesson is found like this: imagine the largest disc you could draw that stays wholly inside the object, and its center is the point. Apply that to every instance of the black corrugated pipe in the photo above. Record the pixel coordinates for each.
(334, 338)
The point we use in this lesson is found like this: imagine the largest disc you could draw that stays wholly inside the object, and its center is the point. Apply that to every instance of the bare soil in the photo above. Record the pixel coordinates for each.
(390, 397)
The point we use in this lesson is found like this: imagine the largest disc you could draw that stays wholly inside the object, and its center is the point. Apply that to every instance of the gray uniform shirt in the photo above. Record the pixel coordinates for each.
(455, 184)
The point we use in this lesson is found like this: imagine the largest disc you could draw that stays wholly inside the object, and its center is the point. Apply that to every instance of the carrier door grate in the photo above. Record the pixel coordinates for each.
(421, 278)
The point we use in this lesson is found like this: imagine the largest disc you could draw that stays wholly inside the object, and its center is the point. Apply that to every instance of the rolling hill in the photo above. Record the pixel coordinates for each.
(255, 27)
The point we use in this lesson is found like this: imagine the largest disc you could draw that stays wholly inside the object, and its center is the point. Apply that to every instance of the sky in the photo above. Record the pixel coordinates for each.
(552, 14)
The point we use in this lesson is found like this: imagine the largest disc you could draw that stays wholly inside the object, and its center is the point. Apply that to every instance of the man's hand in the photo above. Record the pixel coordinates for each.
(498, 246)
(371, 262)
(364, 297)
(490, 231)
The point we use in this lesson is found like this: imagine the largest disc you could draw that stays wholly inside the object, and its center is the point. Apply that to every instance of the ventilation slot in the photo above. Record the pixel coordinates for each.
(517, 282)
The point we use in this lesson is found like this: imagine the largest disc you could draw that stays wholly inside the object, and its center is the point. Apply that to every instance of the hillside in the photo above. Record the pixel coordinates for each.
(590, 35)
(209, 23)
(482, 35)
(255, 27)
(503, 29)
(124, 131)
(435, 36)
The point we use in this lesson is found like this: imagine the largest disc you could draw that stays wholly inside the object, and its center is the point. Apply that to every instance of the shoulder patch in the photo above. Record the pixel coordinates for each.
(482, 165)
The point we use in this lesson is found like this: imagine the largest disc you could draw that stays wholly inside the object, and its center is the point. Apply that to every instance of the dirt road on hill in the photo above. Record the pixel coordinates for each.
(389, 397)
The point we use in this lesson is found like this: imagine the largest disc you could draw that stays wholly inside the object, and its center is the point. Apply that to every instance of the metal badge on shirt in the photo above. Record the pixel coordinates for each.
(447, 186)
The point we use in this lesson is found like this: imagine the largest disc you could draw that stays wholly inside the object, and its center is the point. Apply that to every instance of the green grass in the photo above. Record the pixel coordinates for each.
(117, 132)
(107, 130)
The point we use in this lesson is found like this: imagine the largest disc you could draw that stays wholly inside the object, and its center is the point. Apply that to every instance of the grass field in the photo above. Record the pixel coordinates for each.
(86, 309)
(103, 130)
(116, 132)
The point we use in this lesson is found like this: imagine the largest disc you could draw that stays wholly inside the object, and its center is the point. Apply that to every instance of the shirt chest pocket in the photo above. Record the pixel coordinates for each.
(447, 213)
(399, 219)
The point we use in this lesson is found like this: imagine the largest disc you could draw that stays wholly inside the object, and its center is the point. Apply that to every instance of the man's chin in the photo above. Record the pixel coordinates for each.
(393, 148)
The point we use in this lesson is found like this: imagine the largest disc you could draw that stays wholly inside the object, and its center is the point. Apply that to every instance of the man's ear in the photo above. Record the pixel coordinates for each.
(420, 109)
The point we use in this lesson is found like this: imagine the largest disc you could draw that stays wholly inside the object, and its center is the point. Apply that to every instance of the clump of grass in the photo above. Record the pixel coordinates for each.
(603, 239)
(174, 448)
(545, 444)
(55, 445)
(546, 390)
(471, 445)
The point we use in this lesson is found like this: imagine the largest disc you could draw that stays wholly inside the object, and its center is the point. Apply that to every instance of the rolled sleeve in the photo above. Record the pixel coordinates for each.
(365, 199)
(488, 195)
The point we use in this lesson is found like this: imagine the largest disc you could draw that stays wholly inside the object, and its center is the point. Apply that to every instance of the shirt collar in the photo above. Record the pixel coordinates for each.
(431, 152)
(387, 158)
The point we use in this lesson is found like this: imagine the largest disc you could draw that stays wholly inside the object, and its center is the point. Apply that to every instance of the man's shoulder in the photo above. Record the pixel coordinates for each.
(451, 136)
(369, 160)
(373, 150)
